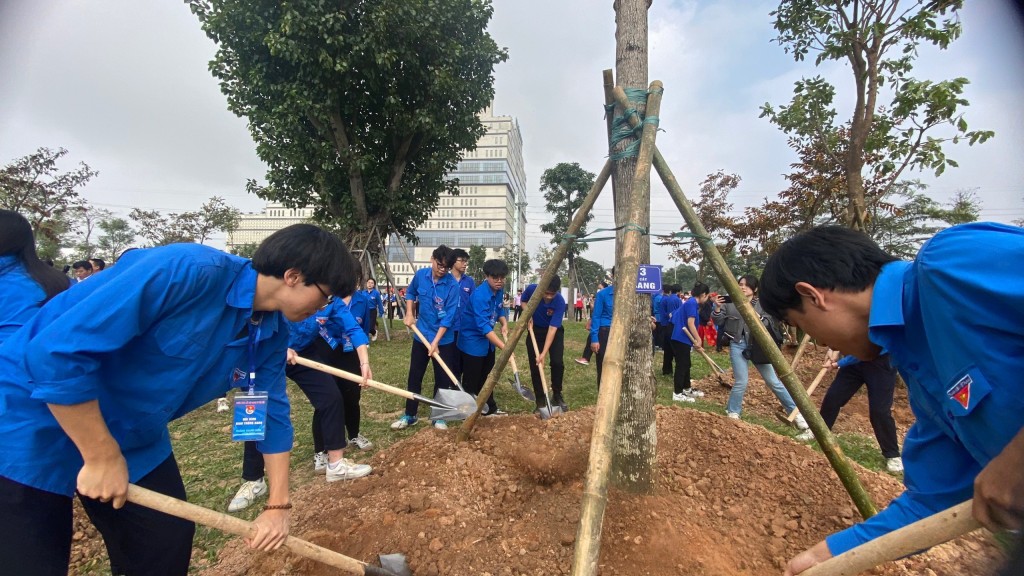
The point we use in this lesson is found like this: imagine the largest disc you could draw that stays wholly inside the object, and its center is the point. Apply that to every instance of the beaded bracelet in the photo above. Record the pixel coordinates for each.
(287, 506)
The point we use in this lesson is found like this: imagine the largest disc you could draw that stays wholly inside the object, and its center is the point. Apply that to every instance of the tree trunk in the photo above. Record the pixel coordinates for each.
(635, 432)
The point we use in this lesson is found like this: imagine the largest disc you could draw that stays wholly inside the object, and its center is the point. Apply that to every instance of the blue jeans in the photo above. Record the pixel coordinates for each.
(740, 369)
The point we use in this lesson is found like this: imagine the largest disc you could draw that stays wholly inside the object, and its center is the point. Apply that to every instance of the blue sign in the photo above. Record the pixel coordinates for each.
(648, 279)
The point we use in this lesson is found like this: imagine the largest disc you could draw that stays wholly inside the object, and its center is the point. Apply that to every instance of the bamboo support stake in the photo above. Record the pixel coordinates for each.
(828, 444)
(542, 285)
(595, 489)
(800, 350)
(810, 390)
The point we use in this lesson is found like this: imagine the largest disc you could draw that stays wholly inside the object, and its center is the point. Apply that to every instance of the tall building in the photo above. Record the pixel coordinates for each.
(489, 211)
(254, 227)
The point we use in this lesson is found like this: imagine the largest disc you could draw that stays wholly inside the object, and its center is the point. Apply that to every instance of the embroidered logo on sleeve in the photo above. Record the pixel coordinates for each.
(961, 391)
(237, 375)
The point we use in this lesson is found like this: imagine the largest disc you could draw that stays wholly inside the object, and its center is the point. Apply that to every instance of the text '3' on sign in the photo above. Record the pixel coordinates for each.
(648, 279)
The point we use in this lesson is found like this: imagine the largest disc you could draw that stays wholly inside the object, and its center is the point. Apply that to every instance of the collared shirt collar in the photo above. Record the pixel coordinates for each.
(887, 300)
(243, 289)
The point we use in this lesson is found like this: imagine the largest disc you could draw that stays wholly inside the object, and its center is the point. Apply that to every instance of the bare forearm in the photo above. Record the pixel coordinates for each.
(277, 476)
(84, 424)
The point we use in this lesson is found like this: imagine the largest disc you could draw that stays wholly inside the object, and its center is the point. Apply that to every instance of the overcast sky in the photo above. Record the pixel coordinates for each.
(124, 86)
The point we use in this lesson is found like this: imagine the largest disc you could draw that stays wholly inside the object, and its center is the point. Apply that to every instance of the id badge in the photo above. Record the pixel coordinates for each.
(250, 422)
(348, 345)
(327, 338)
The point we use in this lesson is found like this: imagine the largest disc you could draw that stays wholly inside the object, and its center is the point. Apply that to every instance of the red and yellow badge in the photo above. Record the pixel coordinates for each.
(249, 408)
(961, 391)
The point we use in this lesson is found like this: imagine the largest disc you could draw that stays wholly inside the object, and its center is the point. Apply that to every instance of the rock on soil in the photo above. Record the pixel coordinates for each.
(731, 499)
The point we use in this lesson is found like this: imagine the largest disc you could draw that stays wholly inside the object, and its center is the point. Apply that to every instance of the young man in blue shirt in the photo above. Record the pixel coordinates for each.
(477, 340)
(668, 305)
(684, 336)
(376, 307)
(466, 287)
(437, 294)
(929, 315)
(90, 384)
(601, 323)
(547, 327)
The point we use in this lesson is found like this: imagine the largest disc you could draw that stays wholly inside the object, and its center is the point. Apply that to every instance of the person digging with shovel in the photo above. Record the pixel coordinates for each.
(547, 321)
(89, 385)
(477, 340)
(837, 285)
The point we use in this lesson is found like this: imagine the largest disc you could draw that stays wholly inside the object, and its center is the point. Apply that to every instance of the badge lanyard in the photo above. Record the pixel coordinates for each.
(250, 415)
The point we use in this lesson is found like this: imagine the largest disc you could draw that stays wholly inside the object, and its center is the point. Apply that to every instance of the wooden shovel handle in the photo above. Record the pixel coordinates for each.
(711, 363)
(437, 357)
(543, 379)
(512, 361)
(232, 525)
(925, 533)
(352, 377)
(810, 390)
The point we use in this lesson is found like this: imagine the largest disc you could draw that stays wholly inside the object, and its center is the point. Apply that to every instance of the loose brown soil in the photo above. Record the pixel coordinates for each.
(732, 498)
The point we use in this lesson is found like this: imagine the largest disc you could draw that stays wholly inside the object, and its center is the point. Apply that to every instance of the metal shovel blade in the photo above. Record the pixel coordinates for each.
(523, 391)
(394, 564)
(459, 405)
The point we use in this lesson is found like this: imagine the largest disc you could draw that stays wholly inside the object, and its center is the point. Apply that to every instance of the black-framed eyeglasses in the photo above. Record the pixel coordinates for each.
(328, 298)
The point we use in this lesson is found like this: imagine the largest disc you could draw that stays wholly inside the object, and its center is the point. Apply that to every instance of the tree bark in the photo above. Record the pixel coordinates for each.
(635, 432)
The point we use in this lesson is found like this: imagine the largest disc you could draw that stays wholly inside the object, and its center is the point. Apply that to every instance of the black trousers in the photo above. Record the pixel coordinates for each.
(880, 378)
(371, 321)
(602, 339)
(681, 379)
(579, 314)
(664, 332)
(351, 394)
(326, 399)
(474, 374)
(555, 359)
(588, 352)
(35, 530)
(418, 368)
(517, 311)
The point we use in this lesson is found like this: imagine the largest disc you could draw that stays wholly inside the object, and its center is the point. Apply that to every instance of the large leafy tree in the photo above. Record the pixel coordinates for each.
(518, 265)
(904, 120)
(564, 187)
(195, 226)
(475, 266)
(117, 237)
(47, 197)
(360, 109)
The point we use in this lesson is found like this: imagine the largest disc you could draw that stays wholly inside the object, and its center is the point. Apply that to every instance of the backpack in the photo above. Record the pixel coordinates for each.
(754, 353)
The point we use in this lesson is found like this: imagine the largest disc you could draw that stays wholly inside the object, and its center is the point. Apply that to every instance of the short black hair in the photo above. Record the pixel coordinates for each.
(699, 289)
(495, 268)
(444, 255)
(82, 264)
(750, 280)
(98, 263)
(320, 256)
(675, 288)
(460, 253)
(826, 257)
(556, 284)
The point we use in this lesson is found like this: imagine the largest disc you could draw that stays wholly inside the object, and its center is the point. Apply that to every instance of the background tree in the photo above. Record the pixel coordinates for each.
(45, 196)
(588, 273)
(117, 237)
(518, 265)
(713, 208)
(564, 187)
(360, 109)
(682, 274)
(214, 216)
(245, 250)
(879, 39)
(477, 257)
(196, 226)
(543, 257)
(89, 219)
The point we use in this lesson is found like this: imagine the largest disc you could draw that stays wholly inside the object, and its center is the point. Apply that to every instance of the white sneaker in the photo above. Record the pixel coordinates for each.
(682, 397)
(801, 424)
(894, 465)
(805, 436)
(404, 422)
(733, 415)
(373, 337)
(440, 424)
(693, 393)
(222, 405)
(248, 494)
(320, 462)
(345, 469)
(361, 442)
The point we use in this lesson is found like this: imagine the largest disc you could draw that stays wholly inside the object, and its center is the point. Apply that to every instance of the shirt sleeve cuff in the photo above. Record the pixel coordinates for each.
(66, 392)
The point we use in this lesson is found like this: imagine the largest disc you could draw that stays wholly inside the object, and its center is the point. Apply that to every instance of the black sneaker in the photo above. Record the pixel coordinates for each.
(560, 402)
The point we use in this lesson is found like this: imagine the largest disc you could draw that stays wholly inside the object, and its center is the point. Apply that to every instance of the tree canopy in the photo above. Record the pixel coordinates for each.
(359, 109)
(565, 186)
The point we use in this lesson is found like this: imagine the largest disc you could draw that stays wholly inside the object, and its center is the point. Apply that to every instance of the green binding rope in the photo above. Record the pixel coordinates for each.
(585, 238)
(621, 130)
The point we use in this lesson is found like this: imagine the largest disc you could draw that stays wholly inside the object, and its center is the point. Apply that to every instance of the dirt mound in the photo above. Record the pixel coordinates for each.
(732, 498)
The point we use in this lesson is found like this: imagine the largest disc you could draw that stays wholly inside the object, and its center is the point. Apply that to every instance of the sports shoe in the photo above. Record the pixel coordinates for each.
(222, 405)
(373, 337)
(801, 424)
(247, 495)
(682, 397)
(805, 436)
(440, 424)
(733, 415)
(894, 465)
(346, 469)
(497, 412)
(561, 402)
(583, 361)
(693, 393)
(361, 442)
(404, 422)
(320, 462)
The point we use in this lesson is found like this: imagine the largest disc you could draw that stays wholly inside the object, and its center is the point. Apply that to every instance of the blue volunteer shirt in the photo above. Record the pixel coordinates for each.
(375, 300)
(930, 315)
(153, 338)
(478, 319)
(689, 309)
(466, 287)
(334, 324)
(659, 316)
(359, 305)
(20, 295)
(669, 304)
(438, 303)
(546, 315)
(602, 316)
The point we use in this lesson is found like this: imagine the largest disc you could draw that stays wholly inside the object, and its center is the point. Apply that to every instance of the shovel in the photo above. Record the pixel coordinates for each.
(925, 533)
(549, 410)
(517, 384)
(458, 398)
(718, 370)
(438, 410)
(392, 564)
(810, 390)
